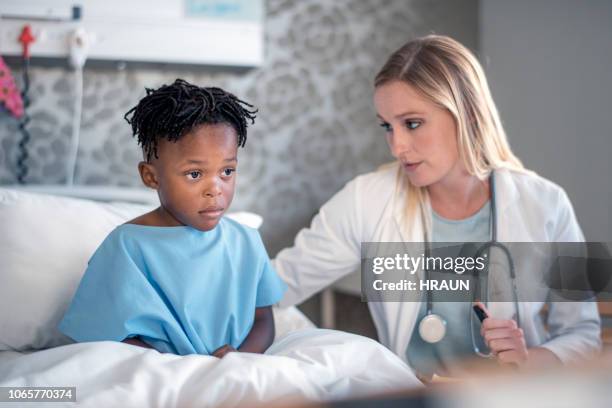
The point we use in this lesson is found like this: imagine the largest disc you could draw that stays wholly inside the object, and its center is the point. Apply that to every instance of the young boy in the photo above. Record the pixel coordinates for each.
(182, 279)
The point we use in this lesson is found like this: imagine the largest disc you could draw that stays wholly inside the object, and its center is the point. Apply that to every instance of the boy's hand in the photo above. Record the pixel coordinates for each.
(223, 350)
(135, 341)
(261, 335)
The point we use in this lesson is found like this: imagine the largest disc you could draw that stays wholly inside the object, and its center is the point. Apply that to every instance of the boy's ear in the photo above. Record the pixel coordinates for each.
(148, 175)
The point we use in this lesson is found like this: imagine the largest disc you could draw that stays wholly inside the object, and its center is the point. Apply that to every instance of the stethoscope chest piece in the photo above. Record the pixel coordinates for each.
(432, 328)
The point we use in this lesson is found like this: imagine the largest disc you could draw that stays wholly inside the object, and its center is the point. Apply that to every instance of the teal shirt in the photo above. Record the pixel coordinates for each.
(442, 358)
(182, 290)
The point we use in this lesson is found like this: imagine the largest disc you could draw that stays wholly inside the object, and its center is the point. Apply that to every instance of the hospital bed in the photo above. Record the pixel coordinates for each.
(47, 238)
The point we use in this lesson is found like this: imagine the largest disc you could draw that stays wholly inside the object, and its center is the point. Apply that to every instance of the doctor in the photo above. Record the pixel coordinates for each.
(443, 129)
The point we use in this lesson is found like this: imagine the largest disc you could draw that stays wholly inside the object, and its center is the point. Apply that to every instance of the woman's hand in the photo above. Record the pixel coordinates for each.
(507, 343)
(223, 350)
(505, 340)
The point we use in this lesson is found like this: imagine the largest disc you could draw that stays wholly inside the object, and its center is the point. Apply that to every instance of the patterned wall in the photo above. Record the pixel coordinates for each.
(316, 127)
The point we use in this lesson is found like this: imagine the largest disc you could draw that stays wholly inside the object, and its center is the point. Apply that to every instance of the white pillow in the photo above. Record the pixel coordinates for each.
(45, 244)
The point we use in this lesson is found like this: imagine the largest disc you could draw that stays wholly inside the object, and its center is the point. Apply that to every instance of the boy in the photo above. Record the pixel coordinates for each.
(181, 278)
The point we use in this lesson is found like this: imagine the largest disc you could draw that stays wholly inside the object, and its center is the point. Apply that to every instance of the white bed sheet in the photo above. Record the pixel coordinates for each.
(312, 364)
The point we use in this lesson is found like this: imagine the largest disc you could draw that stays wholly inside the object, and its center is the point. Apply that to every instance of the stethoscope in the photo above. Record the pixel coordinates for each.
(432, 327)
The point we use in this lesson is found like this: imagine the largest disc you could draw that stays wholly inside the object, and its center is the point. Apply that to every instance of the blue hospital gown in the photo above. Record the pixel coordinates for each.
(182, 290)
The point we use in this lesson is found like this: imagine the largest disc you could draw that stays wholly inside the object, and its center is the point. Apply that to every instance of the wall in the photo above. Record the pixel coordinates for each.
(316, 128)
(549, 63)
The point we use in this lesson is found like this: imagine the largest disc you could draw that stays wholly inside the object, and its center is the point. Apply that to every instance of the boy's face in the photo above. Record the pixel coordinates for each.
(195, 176)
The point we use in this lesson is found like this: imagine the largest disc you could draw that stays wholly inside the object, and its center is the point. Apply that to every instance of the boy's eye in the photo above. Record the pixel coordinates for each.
(228, 172)
(385, 126)
(194, 175)
(412, 124)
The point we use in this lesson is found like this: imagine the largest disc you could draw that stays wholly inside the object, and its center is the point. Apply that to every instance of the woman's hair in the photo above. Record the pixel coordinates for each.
(171, 111)
(448, 74)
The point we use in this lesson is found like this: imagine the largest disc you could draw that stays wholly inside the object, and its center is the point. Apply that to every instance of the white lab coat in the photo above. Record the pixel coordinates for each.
(529, 209)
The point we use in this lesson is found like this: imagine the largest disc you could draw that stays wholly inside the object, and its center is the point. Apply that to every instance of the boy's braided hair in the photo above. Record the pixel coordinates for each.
(171, 111)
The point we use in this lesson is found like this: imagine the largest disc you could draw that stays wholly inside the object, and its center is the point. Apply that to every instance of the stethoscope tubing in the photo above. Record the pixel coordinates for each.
(493, 243)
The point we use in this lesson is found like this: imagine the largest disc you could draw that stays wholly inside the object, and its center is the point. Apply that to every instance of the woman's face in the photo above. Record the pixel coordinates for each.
(420, 134)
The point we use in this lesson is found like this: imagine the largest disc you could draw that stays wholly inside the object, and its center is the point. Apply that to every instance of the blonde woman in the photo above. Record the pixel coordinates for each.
(443, 129)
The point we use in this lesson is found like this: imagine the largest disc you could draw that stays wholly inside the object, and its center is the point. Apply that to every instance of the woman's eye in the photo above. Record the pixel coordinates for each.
(412, 124)
(194, 175)
(385, 126)
(228, 172)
